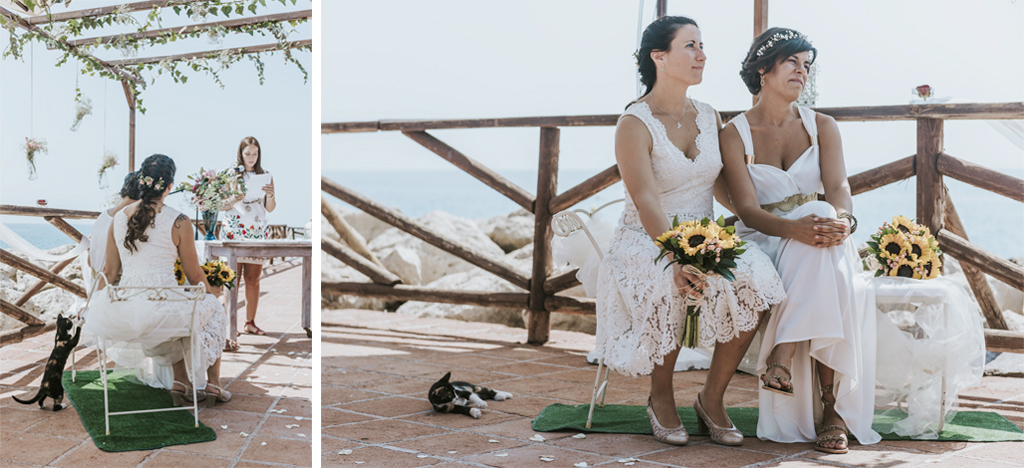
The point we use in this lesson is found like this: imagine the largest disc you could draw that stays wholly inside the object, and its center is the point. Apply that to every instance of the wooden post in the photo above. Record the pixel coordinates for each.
(346, 232)
(547, 186)
(975, 278)
(760, 17)
(662, 7)
(130, 97)
(64, 227)
(930, 203)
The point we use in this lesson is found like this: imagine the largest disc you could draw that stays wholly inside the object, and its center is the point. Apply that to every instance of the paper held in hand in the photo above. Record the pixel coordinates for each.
(254, 186)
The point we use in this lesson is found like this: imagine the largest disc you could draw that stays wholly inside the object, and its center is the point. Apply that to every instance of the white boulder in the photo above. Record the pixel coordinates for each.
(511, 231)
(405, 263)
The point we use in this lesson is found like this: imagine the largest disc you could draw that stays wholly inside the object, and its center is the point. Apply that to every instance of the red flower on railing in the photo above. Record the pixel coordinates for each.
(41, 202)
(924, 92)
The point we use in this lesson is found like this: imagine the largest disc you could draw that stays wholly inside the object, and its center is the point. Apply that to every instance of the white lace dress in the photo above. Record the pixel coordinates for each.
(137, 330)
(640, 312)
(829, 310)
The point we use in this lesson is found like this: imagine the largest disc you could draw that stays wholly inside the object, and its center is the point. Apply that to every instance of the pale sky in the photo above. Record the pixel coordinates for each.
(197, 123)
(409, 59)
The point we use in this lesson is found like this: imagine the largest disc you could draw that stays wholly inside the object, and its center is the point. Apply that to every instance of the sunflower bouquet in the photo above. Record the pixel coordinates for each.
(701, 247)
(217, 272)
(905, 249)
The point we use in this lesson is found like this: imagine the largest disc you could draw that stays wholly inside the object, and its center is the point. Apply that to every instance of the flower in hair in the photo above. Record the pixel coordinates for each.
(779, 37)
(148, 182)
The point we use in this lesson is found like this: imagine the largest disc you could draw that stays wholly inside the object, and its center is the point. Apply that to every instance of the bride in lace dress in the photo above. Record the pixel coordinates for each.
(667, 151)
(818, 348)
(143, 242)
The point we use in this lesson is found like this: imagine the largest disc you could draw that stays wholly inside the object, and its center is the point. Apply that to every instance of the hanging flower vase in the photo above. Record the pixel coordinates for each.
(104, 183)
(32, 170)
(210, 224)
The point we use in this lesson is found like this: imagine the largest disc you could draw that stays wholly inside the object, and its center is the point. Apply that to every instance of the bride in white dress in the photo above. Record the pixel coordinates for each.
(818, 350)
(143, 242)
(667, 151)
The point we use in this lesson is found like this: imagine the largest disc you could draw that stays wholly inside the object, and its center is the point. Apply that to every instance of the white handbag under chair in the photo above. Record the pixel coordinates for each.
(193, 294)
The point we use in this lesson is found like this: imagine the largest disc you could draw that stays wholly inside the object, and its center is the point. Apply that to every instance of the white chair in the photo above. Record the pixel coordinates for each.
(565, 224)
(193, 294)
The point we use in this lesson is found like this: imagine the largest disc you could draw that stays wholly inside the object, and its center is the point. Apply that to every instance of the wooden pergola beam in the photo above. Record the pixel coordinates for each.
(229, 24)
(17, 210)
(91, 12)
(26, 25)
(203, 54)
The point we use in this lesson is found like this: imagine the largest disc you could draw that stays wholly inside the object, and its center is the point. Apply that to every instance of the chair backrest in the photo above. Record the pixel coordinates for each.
(153, 293)
(567, 222)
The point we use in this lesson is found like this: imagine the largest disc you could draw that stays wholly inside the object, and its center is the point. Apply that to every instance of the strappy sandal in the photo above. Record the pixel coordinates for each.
(230, 346)
(178, 396)
(187, 394)
(253, 323)
(777, 378)
(844, 437)
(222, 395)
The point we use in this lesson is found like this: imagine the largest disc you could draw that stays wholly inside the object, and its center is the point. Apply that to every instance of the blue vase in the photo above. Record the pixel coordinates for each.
(210, 224)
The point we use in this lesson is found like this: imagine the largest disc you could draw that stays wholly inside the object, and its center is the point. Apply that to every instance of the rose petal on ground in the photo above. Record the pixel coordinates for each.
(263, 443)
(492, 441)
(501, 454)
(546, 458)
(453, 451)
(537, 438)
(243, 434)
(580, 465)
(345, 452)
(580, 436)
(422, 455)
(225, 426)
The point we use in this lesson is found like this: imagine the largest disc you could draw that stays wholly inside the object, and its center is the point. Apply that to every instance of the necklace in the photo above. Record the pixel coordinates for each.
(679, 121)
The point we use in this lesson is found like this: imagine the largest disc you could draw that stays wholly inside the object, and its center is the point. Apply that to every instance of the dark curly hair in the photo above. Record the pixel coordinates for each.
(130, 189)
(772, 55)
(657, 36)
(156, 174)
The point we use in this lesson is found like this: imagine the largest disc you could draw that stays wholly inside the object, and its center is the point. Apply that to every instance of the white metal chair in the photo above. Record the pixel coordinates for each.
(192, 294)
(565, 224)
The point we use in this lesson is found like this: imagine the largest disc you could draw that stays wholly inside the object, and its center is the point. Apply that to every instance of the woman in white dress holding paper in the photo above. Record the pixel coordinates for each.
(246, 219)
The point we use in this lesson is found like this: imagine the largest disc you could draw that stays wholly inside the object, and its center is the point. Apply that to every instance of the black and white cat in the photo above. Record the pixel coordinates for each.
(52, 386)
(461, 397)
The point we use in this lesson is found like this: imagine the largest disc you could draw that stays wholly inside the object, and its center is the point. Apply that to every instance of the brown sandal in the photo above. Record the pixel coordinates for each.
(778, 378)
(844, 437)
(253, 323)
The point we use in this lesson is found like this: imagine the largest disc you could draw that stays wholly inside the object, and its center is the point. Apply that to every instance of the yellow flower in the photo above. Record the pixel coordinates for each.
(932, 267)
(726, 240)
(904, 225)
(892, 245)
(693, 237)
(904, 268)
(919, 248)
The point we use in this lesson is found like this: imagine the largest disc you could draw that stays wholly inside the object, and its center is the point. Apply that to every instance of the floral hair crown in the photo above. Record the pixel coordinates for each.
(779, 37)
(148, 181)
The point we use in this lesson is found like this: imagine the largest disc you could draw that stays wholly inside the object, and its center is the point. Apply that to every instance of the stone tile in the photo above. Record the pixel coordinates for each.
(376, 456)
(521, 429)
(389, 407)
(708, 455)
(235, 421)
(569, 360)
(459, 421)
(583, 394)
(414, 369)
(929, 446)
(350, 378)
(465, 444)
(334, 417)
(800, 463)
(331, 444)
(171, 459)
(1007, 452)
(18, 419)
(612, 445)
(277, 450)
(64, 424)
(396, 386)
(871, 455)
(529, 406)
(247, 403)
(521, 353)
(354, 362)
(244, 387)
(530, 456)
(580, 376)
(525, 368)
(330, 395)
(531, 386)
(87, 455)
(35, 449)
(381, 431)
(294, 407)
(767, 446)
(471, 361)
(276, 426)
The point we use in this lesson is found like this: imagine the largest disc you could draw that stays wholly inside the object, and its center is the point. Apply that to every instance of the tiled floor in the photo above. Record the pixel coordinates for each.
(270, 379)
(377, 368)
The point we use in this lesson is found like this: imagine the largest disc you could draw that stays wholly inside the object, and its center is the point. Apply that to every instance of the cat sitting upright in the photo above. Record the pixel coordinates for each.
(460, 397)
(52, 385)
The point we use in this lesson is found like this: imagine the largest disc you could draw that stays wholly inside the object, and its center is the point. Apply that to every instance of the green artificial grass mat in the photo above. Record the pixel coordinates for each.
(146, 431)
(969, 426)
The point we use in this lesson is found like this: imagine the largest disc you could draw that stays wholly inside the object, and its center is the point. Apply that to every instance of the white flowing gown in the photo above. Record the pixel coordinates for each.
(640, 312)
(828, 310)
(136, 330)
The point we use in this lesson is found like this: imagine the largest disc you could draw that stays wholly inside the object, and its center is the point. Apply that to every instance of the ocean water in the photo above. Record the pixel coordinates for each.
(994, 222)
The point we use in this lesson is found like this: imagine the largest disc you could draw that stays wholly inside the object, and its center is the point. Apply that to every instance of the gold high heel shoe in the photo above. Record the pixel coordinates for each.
(677, 436)
(719, 434)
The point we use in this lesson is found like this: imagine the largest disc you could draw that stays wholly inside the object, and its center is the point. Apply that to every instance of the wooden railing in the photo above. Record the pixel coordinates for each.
(935, 209)
(34, 325)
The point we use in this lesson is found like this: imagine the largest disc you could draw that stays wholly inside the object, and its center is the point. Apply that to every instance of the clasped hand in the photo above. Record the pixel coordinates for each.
(688, 284)
(821, 231)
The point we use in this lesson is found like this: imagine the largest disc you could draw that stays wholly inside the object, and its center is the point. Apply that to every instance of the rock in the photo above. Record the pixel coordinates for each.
(1014, 321)
(404, 263)
(1006, 365)
(474, 280)
(511, 231)
(366, 225)
(332, 269)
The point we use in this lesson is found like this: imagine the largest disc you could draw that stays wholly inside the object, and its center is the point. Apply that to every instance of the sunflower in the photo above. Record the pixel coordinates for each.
(179, 273)
(904, 225)
(919, 248)
(904, 268)
(726, 240)
(932, 267)
(227, 275)
(693, 238)
(892, 245)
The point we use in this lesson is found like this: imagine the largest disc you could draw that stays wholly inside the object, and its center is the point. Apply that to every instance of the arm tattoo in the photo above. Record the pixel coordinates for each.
(179, 220)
